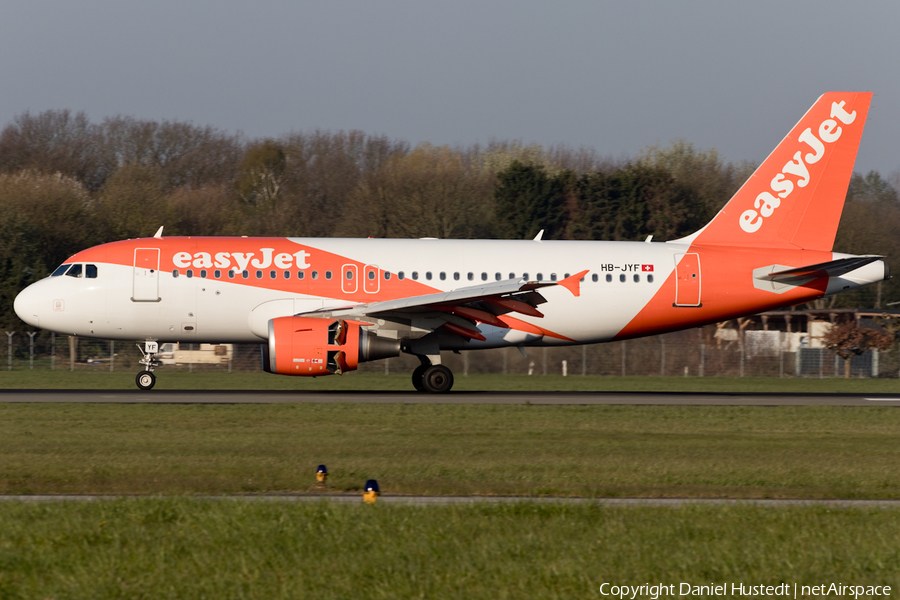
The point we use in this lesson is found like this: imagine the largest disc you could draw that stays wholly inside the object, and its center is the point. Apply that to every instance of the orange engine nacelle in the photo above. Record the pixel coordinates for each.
(310, 347)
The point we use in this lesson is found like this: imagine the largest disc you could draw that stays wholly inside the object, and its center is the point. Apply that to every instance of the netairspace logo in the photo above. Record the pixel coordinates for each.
(782, 590)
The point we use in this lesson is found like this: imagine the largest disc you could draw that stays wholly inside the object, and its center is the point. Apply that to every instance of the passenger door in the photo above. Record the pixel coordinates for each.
(146, 275)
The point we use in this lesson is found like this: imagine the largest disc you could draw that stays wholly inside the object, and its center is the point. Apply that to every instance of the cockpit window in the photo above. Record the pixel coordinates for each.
(90, 271)
(75, 271)
(60, 270)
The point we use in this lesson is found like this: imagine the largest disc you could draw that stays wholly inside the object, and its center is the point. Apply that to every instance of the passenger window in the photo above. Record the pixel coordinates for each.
(231, 274)
(608, 277)
(540, 276)
(443, 276)
(497, 276)
(245, 274)
(90, 271)
(217, 274)
(60, 270)
(428, 275)
(273, 274)
(415, 275)
(258, 274)
(525, 276)
(301, 274)
(349, 274)
(203, 273)
(400, 275)
(174, 272)
(622, 277)
(594, 278)
(512, 275)
(190, 273)
(637, 278)
(287, 274)
(471, 276)
(327, 274)
(456, 277)
(315, 274)
(484, 276)
(552, 276)
(649, 278)
(387, 275)
(371, 275)
(75, 271)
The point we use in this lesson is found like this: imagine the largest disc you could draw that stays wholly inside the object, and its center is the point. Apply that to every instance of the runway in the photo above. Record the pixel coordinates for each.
(526, 398)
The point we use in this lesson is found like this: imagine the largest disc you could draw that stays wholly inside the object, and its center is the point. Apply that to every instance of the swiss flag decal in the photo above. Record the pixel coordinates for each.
(646, 268)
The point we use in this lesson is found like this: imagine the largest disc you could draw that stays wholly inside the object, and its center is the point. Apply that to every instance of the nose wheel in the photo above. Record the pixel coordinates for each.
(145, 380)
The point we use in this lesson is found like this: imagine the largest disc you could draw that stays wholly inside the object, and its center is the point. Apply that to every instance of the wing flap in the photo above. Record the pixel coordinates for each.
(485, 303)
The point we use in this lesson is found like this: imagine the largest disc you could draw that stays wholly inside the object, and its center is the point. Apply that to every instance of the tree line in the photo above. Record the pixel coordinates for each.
(67, 183)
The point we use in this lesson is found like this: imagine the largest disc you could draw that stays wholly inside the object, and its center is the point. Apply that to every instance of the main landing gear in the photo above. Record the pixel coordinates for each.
(435, 379)
(145, 380)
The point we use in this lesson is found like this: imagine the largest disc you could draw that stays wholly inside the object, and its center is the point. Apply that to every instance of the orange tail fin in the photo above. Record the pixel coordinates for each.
(795, 197)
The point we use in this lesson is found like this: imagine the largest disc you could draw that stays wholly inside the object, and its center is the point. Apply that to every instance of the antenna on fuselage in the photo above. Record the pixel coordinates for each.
(539, 236)
(158, 234)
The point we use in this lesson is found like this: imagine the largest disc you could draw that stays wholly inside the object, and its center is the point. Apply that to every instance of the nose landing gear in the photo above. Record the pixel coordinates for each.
(145, 380)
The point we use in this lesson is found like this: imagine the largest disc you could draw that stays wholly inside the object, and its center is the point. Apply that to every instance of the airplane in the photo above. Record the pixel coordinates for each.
(321, 306)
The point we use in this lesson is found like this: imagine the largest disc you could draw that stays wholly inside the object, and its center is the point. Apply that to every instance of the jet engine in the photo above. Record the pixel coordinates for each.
(308, 346)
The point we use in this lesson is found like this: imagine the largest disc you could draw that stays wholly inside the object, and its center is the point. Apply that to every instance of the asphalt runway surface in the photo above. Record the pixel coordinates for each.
(550, 398)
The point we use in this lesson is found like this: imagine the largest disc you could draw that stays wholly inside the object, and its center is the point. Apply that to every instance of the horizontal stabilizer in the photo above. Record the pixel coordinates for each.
(834, 268)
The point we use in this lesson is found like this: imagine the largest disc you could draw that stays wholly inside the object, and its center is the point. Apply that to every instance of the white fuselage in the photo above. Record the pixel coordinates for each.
(625, 283)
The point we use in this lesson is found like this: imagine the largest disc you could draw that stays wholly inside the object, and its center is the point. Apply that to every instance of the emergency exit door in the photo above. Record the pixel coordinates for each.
(146, 275)
(687, 279)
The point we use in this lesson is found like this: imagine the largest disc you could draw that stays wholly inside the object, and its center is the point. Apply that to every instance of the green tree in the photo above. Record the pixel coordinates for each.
(261, 174)
(869, 225)
(44, 219)
(527, 200)
(633, 202)
(133, 203)
(430, 192)
(710, 181)
(871, 188)
(57, 141)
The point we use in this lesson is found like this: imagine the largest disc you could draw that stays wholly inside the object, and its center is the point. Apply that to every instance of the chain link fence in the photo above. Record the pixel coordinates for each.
(701, 352)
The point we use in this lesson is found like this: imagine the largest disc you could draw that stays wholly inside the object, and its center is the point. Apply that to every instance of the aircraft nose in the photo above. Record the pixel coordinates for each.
(27, 305)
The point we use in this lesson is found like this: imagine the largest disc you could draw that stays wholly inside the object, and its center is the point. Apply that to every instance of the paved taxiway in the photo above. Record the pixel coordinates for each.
(560, 398)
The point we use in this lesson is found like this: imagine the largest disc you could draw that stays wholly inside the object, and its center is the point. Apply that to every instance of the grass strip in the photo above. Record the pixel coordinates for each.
(183, 548)
(600, 451)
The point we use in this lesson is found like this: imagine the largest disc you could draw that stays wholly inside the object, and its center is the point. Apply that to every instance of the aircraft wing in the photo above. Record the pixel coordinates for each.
(460, 310)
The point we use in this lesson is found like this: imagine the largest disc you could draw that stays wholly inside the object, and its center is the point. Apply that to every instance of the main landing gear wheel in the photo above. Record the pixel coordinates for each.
(145, 380)
(417, 377)
(437, 379)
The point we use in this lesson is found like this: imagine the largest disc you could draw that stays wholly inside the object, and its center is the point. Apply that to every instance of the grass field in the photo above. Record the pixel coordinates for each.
(257, 380)
(183, 548)
(606, 451)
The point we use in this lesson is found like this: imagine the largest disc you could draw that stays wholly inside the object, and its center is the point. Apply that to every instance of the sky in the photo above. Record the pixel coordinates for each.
(613, 76)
